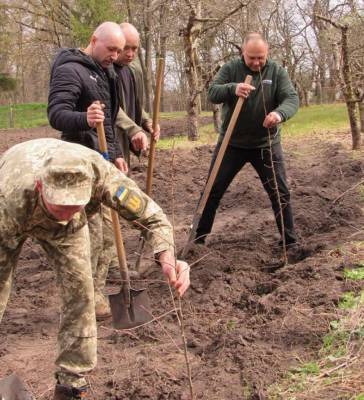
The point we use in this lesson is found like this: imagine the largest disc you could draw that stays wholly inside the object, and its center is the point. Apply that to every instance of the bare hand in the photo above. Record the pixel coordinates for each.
(121, 164)
(140, 141)
(243, 89)
(176, 271)
(154, 133)
(95, 114)
(272, 120)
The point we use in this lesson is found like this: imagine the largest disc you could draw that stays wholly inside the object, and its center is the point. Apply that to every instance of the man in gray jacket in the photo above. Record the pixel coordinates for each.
(132, 121)
(269, 100)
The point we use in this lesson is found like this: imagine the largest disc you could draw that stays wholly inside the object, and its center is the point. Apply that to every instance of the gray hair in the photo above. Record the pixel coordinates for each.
(253, 36)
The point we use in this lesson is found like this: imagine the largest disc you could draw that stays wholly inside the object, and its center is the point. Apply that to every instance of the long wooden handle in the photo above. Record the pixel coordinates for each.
(123, 265)
(156, 106)
(215, 169)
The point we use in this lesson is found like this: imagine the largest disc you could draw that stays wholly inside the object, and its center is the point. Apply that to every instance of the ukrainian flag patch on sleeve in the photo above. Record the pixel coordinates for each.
(130, 200)
(121, 193)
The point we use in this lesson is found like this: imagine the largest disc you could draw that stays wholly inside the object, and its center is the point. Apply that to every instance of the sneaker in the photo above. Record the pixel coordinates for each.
(66, 392)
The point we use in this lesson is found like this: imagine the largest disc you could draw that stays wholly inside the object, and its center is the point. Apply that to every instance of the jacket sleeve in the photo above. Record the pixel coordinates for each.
(126, 124)
(222, 89)
(123, 195)
(64, 92)
(287, 97)
(145, 118)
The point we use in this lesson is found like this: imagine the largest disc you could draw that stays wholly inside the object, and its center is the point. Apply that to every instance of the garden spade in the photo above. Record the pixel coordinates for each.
(129, 307)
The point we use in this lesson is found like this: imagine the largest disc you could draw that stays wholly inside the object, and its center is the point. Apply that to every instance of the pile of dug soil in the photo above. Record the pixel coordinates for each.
(246, 323)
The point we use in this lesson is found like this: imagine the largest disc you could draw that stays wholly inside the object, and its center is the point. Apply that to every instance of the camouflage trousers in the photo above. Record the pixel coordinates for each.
(70, 257)
(103, 250)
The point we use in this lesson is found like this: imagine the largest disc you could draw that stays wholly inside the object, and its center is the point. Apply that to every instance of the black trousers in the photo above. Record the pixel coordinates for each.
(233, 161)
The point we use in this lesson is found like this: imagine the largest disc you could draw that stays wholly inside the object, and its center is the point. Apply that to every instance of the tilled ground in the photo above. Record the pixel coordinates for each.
(246, 323)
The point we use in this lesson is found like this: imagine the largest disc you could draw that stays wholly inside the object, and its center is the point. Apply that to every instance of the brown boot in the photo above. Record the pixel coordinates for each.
(102, 309)
(66, 392)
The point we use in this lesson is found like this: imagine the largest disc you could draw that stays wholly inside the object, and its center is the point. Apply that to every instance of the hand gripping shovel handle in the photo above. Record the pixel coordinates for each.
(156, 106)
(116, 226)
(214, 171)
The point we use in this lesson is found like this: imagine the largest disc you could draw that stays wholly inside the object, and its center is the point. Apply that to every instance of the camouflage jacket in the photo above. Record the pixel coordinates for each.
(23, 214)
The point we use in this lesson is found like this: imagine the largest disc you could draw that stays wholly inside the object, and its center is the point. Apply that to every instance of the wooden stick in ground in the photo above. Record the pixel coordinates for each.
(156, 106)
(214, 171)
(116, 226)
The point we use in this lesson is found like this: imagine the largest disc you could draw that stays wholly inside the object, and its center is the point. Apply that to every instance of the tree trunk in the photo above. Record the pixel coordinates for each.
(148, 57)
(190, 70)
(348, 90)
(162, 50)
(216, 110)
(361, 115)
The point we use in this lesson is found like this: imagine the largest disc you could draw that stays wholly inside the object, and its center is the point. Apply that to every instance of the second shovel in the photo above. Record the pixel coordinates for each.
(129, 307)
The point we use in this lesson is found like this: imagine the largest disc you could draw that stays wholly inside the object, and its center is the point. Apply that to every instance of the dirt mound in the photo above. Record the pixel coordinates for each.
(245, 323)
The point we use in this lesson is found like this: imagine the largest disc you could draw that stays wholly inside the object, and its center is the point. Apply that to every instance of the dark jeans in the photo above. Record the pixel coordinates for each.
(233, 161)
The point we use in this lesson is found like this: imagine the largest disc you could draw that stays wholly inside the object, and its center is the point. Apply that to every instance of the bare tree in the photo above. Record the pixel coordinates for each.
(347, 80)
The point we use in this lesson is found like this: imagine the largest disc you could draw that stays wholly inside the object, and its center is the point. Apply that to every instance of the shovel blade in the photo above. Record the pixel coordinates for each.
(12, 388)
(138, 313)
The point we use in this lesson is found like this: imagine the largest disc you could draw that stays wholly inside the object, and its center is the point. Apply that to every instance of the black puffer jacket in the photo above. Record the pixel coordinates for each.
(76, 82)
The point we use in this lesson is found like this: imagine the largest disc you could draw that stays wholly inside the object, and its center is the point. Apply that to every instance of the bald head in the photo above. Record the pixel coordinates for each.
(107, 29)
(255, 51)
(106, 43)
(132, 42)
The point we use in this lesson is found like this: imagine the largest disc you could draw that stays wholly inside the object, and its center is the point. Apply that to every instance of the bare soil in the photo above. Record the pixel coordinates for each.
(246, 323)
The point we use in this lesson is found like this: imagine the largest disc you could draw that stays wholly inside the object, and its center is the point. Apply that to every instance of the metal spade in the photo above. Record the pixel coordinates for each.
(129, 307)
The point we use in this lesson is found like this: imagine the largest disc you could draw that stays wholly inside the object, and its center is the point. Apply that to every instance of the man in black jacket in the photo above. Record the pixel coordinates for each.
(79, 78)
(83, 91)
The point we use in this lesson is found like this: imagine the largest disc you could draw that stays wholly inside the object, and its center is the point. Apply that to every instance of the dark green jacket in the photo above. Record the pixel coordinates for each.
(279, 96)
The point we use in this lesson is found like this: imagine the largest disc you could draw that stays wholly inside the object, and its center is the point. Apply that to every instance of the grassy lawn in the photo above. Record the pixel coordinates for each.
(35, 114)
(313, 119)
(327, 117)
(24, 115)
(323, 118)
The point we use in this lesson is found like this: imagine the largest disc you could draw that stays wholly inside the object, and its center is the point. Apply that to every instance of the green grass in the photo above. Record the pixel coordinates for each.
(28, 115)
(322, 118)
(317, 118)
(356, 274)
(313, 119)
(340, 345)
(347, 301)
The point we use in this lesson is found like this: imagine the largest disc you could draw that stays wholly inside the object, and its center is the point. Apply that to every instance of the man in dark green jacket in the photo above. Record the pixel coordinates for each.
(269, 100)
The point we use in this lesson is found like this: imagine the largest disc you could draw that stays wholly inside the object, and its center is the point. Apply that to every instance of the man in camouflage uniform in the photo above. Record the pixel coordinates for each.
(48, 189)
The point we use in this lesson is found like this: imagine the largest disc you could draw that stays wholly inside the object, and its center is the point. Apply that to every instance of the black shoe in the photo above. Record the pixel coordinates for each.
(66, 392)
(296, 253)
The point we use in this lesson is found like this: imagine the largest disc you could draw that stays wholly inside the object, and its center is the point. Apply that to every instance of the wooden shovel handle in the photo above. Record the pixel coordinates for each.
(123, 265)
(215, 170)
(221, 153)
(156, 106)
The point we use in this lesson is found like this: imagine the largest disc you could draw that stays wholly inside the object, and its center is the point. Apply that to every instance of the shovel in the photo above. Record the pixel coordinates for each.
(12, 388)
(148, 190)
(129, 307)
(214, 171)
